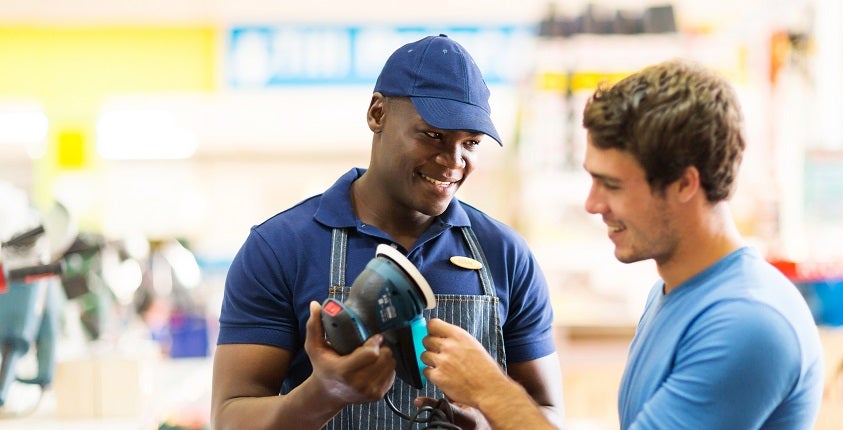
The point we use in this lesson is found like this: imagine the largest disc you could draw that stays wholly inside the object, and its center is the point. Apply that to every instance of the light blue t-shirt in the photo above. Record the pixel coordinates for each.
(734, 347)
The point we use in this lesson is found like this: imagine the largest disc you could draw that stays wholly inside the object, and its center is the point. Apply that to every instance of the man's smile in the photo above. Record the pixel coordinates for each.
(436, 181)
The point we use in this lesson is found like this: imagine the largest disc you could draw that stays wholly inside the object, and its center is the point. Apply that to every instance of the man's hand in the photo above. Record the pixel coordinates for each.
(363, 376)
(465, 417)
(459, 365)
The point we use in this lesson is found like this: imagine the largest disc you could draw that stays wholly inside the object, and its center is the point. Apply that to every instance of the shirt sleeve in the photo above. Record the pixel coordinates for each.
(257, 305)
(734, 366)
(528, 330)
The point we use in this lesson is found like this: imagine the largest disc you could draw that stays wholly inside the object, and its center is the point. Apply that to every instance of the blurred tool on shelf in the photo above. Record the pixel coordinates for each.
(54, 279)
(32, 244)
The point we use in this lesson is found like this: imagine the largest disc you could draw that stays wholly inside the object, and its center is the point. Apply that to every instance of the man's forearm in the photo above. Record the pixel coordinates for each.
(554, 415)
(512, 408)
(307, 407)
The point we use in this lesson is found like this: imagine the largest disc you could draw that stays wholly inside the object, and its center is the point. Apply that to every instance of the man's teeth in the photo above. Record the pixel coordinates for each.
(615, 229)
(435, 182)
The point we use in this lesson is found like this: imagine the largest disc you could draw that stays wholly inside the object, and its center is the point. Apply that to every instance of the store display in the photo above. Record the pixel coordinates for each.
(30, 252)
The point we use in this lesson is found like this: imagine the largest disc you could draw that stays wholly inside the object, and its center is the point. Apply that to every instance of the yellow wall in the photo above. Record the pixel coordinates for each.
(71, 70)
(57, 63)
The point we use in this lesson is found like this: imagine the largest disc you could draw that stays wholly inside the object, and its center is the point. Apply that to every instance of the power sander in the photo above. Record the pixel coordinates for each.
(27, 274)
(388, 297)
(31, 243)
(27, 313)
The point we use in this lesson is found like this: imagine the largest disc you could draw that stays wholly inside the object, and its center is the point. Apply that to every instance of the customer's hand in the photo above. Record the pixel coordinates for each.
(459, 365)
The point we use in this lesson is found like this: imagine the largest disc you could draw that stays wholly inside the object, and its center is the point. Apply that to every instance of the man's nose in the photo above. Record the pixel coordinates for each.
(593, 203)
(451, 157)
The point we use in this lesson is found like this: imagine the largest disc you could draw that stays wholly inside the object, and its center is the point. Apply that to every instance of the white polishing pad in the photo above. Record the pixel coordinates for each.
(411, 270)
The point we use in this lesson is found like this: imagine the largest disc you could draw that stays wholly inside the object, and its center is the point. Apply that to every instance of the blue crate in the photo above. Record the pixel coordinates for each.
(825, 298)
(188, 336)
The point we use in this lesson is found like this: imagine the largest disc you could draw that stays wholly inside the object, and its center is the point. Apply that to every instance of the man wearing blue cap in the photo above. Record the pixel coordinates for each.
(429, 114)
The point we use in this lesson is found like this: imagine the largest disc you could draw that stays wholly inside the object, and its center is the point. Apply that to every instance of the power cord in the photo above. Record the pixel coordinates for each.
(440, 417)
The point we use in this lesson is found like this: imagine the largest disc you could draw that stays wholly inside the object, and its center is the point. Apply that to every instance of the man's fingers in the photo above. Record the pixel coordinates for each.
(315, 344)
(431, 343)
(374, 343)
(423, 401)
(435, 327)
(314, 329)
(369, 353)
(439, 328)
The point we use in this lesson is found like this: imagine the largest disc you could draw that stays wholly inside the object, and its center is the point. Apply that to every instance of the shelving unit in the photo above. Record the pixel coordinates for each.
(174, 390)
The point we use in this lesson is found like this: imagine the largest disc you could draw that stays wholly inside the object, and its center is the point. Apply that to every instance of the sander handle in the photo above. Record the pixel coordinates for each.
(30, 273)
(24, 237)
(343, 329)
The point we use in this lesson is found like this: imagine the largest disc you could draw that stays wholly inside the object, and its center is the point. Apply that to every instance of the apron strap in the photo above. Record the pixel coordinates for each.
(477, 253)
(488, 289)
(339, 243)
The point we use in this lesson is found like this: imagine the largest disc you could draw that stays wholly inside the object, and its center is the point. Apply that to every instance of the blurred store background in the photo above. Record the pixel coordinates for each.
(145, 138)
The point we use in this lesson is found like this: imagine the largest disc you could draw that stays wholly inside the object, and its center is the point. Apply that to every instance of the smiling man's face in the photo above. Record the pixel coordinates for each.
(425, 165)
(640, 221)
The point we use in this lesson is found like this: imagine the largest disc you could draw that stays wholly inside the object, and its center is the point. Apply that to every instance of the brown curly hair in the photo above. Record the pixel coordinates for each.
(671, 116)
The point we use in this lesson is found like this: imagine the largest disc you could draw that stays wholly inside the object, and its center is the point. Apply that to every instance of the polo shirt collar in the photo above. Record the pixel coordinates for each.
(335, 208)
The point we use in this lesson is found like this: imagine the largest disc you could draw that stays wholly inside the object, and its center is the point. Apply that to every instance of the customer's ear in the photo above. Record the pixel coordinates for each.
(688, 185)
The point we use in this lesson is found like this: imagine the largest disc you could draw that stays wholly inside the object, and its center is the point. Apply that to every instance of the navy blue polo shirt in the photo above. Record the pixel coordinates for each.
(284, 264)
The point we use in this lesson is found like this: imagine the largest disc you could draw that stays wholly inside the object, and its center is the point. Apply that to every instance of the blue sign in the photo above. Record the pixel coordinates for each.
(262, 56)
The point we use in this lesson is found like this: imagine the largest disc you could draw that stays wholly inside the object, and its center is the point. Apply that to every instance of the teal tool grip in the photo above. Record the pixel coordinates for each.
(419, 329)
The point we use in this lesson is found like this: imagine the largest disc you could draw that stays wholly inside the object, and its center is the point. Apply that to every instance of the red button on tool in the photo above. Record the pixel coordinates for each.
(3, 287)
(332, 308)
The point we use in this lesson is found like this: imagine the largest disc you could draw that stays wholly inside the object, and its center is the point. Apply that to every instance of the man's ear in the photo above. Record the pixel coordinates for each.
(688, 184)
(376, 113)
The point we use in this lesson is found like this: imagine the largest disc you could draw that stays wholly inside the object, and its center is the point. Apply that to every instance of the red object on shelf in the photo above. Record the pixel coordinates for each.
(788, 268)
(809, 271)
(821, 284)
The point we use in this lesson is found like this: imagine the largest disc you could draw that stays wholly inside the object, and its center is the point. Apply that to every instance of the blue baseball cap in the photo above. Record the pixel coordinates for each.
(444, 83)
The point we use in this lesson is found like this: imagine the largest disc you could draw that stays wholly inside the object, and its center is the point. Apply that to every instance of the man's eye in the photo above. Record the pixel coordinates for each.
(471, 145)
(433, 134)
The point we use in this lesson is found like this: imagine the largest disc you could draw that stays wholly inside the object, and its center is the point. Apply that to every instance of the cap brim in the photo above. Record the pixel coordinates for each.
(450, 114)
